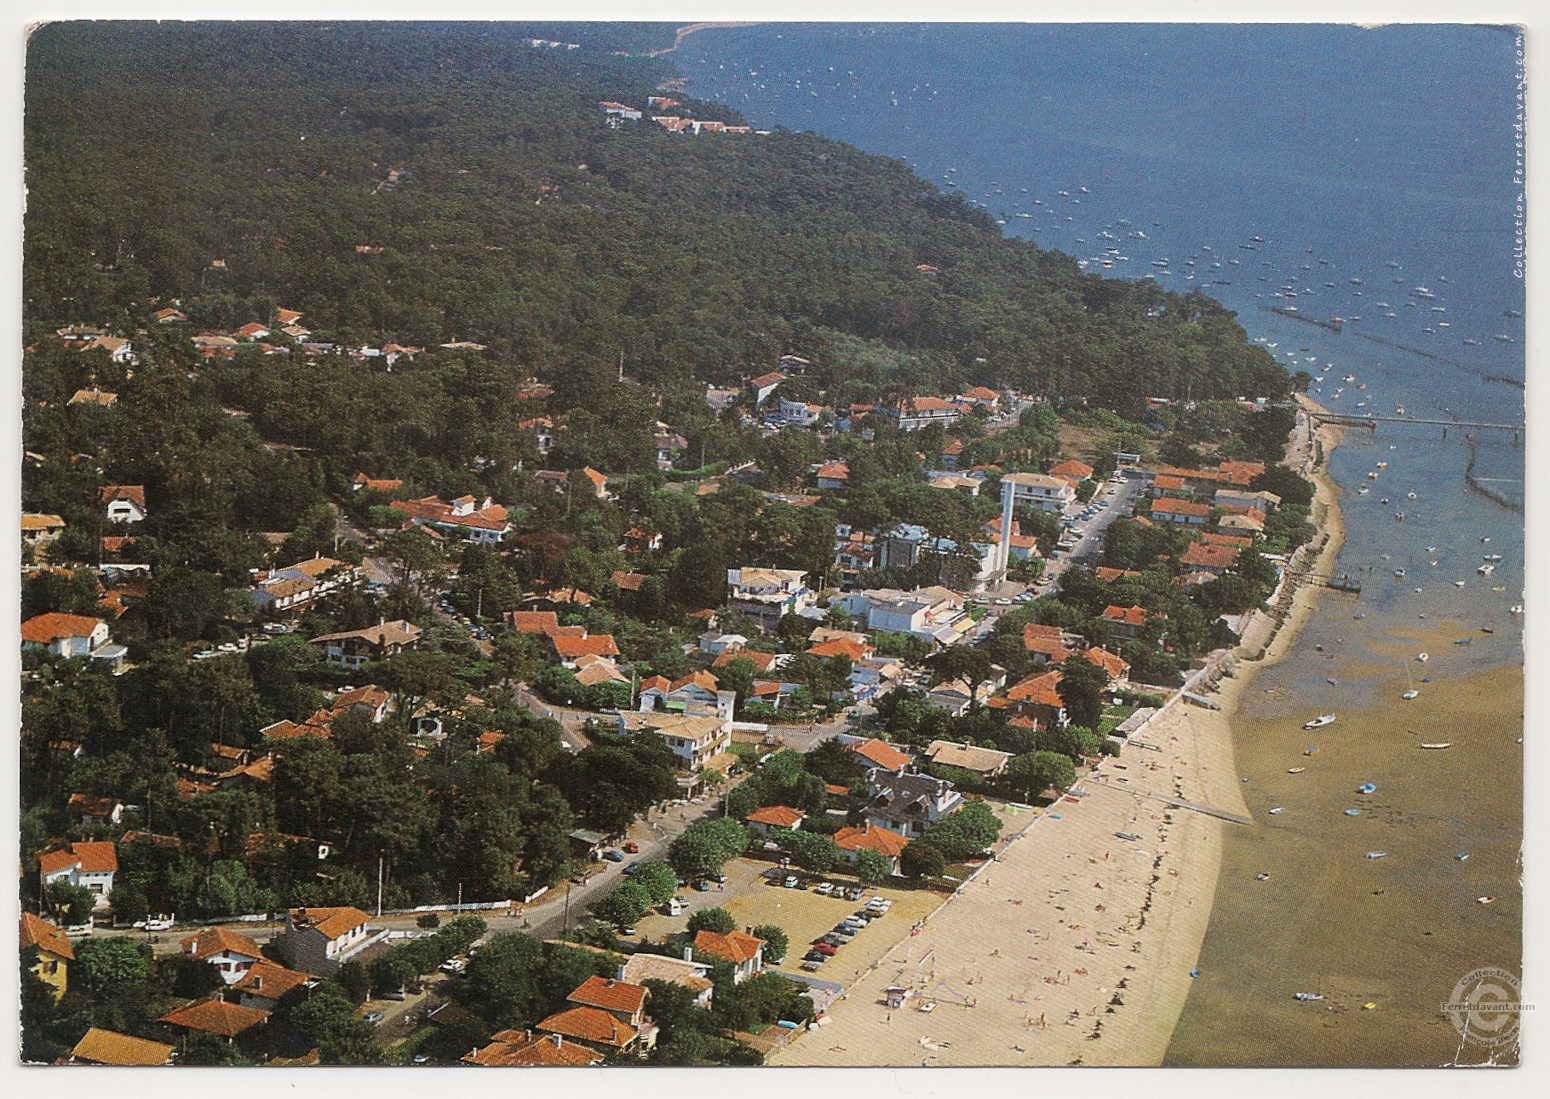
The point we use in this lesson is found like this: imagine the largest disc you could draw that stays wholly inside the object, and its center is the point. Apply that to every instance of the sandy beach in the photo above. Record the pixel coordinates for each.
(1382, 940)
(1075, 945)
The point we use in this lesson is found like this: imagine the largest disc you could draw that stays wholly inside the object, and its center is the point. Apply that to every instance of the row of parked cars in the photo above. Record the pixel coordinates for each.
(828, 944)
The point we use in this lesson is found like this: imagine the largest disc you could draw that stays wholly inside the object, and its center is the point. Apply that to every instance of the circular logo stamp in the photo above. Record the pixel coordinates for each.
(1485, 1008)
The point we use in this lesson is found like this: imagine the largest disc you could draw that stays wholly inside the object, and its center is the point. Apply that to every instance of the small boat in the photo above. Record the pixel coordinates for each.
(1366, 788)
(1127, 835)
(1486, 569)
(1383, 465)
(1320, 721)
(1261, 876)
(1461, 856)
(1376, 854)
(1278, 809)
(1493, 557)
(1484, 538)
(1399, 574)
(1295, 770)
(1410, 694)
(1313, 751)
(1310, 995)
(1372, 474)
(1353, 812)
(1423, 657)
(1438, 746)
(1410, 496)
(1484, 900)
(1458, 583)
(1464, 641)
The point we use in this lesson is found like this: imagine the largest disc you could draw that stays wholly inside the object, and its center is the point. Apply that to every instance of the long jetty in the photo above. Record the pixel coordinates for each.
(1366, 421)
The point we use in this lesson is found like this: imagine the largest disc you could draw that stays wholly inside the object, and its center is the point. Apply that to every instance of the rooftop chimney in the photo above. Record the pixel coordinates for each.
(559, 1042)
(688, 953)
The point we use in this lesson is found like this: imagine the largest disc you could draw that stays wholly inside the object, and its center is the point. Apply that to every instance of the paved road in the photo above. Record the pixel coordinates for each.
(1116, 501)
(571, 721)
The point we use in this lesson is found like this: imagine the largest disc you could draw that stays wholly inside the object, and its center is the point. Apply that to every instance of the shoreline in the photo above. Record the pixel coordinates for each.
(1098, 933)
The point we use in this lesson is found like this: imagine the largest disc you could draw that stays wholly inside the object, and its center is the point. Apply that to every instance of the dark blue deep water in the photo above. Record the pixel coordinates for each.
(1344, 172)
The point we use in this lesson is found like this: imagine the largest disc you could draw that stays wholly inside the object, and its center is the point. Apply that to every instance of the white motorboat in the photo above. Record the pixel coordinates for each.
(1320, 721)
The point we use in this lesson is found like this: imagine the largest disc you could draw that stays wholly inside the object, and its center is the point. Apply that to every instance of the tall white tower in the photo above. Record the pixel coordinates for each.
(1004, 547)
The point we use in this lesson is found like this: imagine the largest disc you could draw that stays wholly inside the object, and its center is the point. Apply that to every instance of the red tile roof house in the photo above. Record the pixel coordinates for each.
(1073, 469)
(1216, 560)
(1037, 699)
(533, 623)
(982, 396)
(88, 864)
(852, 841)
(95, 810)
(213, 1015)
(486, 523)
(834, 475)
(764, 385)
(353, 648)
(362, 483)
(263, 985)
(626, 1002)
(231, 953)
(1186, 512)
(594, 1027)
(599, 482)
(571, 649)
(920, 412)
(316, 940)
(883, 755)
(524, 1049)
(775, 818)
(1125, 621)
(69, 635)
(745, 952)
(124, 503)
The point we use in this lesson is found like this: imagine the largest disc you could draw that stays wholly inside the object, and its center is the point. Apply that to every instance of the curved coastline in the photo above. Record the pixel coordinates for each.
(1074, 945)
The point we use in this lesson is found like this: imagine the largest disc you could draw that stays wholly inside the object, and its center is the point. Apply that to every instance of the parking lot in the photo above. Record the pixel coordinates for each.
(803, 914)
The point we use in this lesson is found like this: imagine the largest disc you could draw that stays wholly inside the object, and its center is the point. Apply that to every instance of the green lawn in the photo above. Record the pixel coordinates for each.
(1113, 717)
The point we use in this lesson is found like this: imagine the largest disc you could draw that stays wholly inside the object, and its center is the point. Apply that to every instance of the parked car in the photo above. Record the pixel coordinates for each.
(856, 893)
(702, 886)
(634, 866)
(791, 881)
(631, 847)
(826, 948)
(397, 995)
(372, 1017)
(626, 932)
(814, 955)
(613, 856)
(720, 877)
(824, 888)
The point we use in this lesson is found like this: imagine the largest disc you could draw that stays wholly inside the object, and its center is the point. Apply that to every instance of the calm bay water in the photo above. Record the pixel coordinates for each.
(1370, 171)
(1347, 173)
